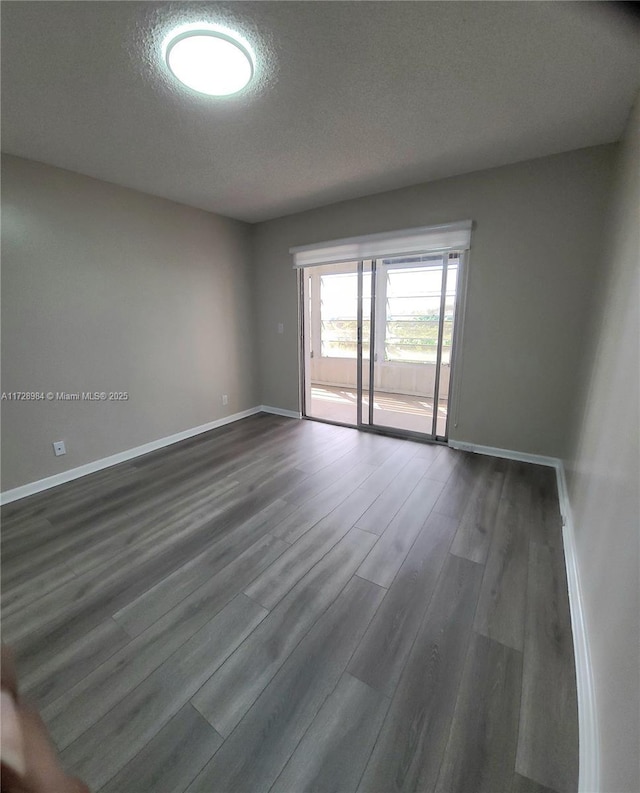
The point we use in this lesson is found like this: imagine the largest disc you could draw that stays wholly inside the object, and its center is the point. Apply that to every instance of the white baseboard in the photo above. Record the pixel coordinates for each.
(292, 414)
(106, 462)
(508, 454)
(589, 774)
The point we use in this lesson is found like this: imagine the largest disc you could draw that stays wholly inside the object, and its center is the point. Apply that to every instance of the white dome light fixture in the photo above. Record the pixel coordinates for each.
(209, 59)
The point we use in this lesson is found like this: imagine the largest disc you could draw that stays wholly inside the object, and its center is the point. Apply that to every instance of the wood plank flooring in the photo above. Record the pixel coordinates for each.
(282, 605)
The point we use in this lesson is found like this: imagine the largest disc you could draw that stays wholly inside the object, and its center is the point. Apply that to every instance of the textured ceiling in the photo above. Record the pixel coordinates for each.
(350, 98)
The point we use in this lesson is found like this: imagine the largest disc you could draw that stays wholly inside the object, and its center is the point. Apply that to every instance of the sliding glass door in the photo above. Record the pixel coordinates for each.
(412, 340)
(336, 303)
(378, 342)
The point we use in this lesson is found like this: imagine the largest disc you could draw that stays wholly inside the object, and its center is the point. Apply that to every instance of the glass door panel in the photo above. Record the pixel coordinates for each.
(408, 305)
(368, 322)
(451, 290)
(331, 346)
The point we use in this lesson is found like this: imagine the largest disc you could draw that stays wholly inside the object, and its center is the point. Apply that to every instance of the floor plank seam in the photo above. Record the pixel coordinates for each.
(164, 661)
(246, 639)
(190, 594)
(467, 655)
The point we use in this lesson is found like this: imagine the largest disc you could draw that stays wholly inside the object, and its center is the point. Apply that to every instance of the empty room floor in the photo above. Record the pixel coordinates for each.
(283, 605)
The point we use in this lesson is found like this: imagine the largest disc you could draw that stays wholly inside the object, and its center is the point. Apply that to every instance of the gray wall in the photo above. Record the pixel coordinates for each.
(108, 289)
(604, 483)
(536, 248)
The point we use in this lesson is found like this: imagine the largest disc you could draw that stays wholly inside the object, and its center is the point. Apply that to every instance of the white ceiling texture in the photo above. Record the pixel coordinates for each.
(349, 98)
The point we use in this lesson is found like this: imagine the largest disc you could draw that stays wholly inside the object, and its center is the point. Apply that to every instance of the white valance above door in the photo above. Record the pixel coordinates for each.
(425, 239)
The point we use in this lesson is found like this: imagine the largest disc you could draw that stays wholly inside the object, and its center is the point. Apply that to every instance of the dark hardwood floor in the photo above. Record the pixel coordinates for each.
(284, 605)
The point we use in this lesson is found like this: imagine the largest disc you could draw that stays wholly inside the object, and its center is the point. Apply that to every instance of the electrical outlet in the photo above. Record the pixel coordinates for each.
(225, 399)
(280, 327)
(59, 448)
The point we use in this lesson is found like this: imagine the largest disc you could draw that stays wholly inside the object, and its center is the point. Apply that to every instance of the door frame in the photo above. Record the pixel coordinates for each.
(456, 359)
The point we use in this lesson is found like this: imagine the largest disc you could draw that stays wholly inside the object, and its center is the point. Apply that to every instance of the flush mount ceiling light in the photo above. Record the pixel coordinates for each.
(210, 60)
